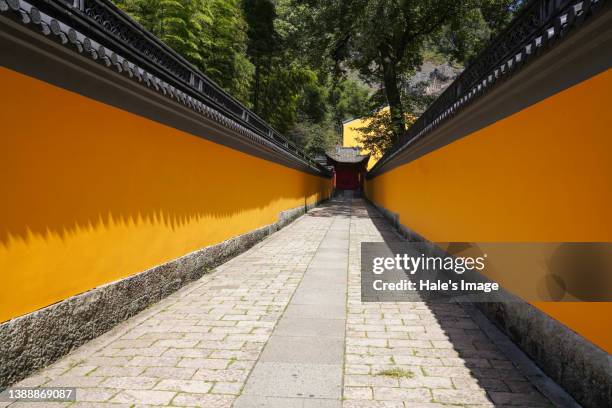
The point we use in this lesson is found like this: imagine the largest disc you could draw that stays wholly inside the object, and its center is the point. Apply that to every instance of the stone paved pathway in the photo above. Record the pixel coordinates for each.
(439, 356)
(282, 325)
(301, 365)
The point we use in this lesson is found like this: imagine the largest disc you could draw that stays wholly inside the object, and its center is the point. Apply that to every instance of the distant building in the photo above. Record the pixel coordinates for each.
(349, 167)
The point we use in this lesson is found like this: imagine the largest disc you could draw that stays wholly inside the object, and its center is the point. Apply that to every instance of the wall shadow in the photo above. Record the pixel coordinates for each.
(481, 368)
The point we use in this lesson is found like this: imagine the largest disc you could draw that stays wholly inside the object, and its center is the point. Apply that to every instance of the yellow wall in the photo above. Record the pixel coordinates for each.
(543, 174)
(351, 134)
(91, 194)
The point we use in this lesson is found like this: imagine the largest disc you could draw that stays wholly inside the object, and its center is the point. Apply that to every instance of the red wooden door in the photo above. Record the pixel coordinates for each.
(347, 177)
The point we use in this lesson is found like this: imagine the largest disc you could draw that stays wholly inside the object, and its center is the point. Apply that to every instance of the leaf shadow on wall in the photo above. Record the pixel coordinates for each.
(81, 212)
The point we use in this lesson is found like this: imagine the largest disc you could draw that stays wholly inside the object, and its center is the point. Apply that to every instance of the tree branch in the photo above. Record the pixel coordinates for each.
(409, 36)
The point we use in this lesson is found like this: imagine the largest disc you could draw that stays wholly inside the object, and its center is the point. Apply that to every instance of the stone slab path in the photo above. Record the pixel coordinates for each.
(302, 363)
(282, 325)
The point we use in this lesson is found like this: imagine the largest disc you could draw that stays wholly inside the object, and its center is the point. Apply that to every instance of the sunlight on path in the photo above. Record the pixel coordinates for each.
(282, 325)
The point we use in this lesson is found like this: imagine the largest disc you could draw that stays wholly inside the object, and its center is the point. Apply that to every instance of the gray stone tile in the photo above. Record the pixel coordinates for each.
(328, 251)
(330, 259)
(330, 277)
(314, 327)
(334, 311)
(316, 284)
(327, 270)
(329, 262)
(320, 297)
(337, 244)
(247, 401)
(295, 380)
(336, 235)
(322, 403)
(305, 350)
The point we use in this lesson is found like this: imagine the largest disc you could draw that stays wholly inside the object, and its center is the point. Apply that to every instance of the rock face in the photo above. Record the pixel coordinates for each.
(432, 79)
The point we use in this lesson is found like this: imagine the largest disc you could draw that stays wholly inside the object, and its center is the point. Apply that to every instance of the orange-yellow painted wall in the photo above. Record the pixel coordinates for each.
(91, 193)
(543, 174)
(351, 135)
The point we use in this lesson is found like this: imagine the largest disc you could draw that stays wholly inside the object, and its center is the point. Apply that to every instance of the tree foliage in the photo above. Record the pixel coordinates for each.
(317, 138)
(377, 135)
(262, 42)
(350, 99)
(208, 33)
(385, 40)
(305, 66)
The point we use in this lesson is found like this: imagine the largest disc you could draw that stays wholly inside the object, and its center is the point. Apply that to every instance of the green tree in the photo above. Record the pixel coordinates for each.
(287, 90)
(315, 138)
(262, 41)
(178, 23)
(462, 39)
(349, 99)
(301, 63)
(382, 39)
(281, 93)
(377, 135)
(208, 33)
(223, 48)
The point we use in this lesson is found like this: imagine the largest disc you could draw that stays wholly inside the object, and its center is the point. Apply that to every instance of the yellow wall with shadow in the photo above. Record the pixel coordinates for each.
(542, 174)
(91, 193)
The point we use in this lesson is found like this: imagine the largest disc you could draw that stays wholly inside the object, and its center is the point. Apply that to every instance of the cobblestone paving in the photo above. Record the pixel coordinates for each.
(197, 347)
(437, 354)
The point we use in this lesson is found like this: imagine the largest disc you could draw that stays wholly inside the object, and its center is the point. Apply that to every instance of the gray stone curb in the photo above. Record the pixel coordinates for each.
(35, 340)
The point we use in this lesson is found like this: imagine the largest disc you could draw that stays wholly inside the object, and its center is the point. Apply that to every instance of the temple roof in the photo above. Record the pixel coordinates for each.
(347, 155)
